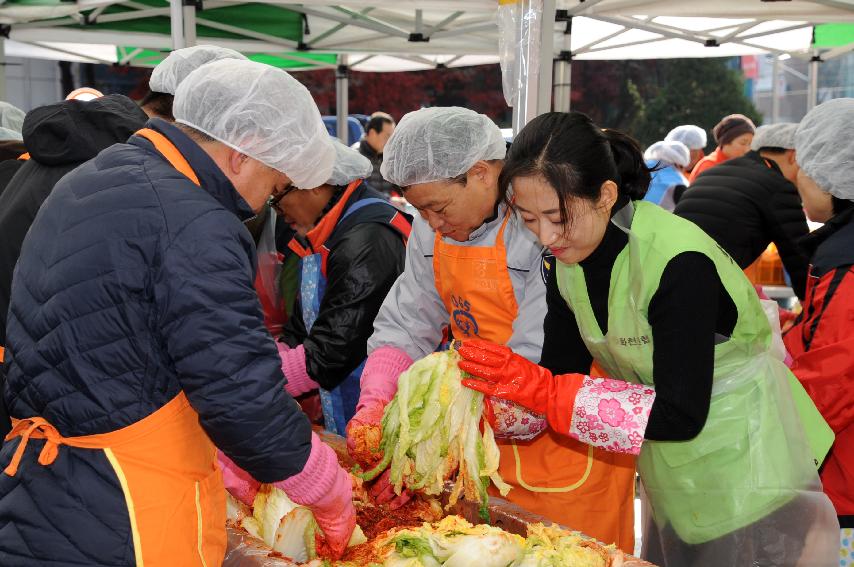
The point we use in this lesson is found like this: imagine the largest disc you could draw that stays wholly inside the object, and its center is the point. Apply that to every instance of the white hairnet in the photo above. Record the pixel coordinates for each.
(825, 148)
(171, 71)
(775, 136)
(9, 134)
(349, 166)
(692, 136)
(433, 144)
(262, 112)
(11, 118)
(671, 153)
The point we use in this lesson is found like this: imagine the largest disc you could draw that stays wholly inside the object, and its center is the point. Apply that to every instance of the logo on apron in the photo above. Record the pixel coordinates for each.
(463, 318)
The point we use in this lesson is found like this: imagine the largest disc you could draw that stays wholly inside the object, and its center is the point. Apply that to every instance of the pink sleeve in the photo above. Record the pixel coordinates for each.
(379, 377)
(611, 414)
(293, 367)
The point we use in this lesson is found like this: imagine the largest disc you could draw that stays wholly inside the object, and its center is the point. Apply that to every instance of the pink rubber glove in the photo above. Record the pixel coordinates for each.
(327, 490)
(293, 367)
(238, 482)
(378, 386)
(379, 377)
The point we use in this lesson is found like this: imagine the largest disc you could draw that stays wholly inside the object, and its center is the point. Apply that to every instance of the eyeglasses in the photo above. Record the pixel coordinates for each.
(273, 200)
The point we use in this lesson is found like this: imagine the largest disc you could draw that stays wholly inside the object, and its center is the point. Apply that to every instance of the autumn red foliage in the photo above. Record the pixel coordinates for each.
(478, 88)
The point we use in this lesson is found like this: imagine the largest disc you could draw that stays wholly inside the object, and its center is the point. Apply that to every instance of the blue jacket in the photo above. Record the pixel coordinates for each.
(134, 284)
(662, 180)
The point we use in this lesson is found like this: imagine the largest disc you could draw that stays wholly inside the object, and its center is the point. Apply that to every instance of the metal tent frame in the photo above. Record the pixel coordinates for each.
(420, 34)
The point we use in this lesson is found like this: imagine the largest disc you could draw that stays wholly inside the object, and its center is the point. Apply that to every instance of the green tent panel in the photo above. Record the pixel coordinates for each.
(151, 57)
(833, 35)
(276, 61)
(260, 18)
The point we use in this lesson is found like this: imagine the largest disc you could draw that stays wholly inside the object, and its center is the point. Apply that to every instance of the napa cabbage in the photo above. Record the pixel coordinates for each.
(431, 432)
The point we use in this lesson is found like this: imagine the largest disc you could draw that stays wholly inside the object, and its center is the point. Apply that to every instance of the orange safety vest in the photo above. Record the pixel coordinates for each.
(568, 482)
(165, 464)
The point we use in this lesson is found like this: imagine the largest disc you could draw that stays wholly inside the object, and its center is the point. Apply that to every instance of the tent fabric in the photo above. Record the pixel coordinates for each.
(378, 34)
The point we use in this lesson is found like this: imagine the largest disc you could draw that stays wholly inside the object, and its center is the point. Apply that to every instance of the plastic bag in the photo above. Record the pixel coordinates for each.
(819, 434)
(246, 551)
(267, 279)
(519, 24)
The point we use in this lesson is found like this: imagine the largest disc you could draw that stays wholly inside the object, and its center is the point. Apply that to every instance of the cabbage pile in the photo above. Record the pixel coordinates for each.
(431, 432)
(281, 524)
(454, 542)
(550, 546)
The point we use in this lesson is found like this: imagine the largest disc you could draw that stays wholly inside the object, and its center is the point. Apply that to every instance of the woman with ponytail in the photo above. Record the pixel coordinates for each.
(693, 387)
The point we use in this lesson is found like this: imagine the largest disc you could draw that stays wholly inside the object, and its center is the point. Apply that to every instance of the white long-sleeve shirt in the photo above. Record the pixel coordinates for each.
(413, 314)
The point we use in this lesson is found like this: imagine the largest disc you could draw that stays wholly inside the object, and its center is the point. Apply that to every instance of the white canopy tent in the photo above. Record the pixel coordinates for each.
(396, 35)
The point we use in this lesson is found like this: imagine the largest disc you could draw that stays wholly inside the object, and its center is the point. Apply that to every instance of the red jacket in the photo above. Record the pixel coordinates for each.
(822, 346)
(715, 158)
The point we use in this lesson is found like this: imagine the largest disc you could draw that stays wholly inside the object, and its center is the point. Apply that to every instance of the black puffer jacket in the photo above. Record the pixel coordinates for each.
(10, 151)
(59, 137)
(745, 204)
(366, 256)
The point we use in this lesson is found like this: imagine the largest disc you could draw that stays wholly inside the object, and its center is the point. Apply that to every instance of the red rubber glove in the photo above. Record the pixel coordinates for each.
(383, 492)
(497, 371)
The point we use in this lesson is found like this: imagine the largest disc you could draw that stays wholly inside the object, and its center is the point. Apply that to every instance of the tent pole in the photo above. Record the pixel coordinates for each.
(2, 69)
(563, 69)
(176, 21)
(189, 23)
(547, 49)
(812, 92)
(527, 75)
(341, 98)
(775, 91)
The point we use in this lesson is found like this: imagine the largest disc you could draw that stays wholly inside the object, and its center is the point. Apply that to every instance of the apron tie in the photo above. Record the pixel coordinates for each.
(38, 428)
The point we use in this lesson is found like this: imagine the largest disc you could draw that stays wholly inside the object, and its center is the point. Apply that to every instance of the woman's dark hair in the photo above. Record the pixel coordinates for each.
(575, 157)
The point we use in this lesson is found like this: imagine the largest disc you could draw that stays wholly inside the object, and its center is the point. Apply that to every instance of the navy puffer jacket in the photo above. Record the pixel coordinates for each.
(134, 284)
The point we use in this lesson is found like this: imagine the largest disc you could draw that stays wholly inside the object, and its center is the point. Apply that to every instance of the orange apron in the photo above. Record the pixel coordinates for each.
(553, 475)
(165, 464)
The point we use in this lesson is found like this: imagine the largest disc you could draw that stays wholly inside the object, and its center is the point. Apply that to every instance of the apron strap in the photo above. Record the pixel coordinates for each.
(168, 150)
(39, 428)
(364, 203)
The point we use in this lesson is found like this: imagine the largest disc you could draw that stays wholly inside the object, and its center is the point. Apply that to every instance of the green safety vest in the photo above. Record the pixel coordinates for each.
(751, 457)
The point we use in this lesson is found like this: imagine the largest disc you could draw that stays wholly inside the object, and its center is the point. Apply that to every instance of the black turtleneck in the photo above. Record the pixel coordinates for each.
(689, 313)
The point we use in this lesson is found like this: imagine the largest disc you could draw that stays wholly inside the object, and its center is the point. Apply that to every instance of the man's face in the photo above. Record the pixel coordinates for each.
(300, 209)
(453, 209)
(256, 181)
(378, 140)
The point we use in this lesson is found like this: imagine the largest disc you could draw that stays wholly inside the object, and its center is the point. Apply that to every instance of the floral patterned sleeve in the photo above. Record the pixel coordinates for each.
(611, 414)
